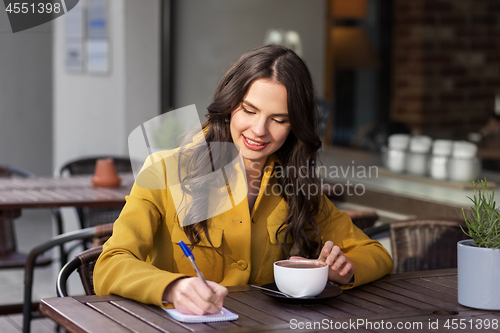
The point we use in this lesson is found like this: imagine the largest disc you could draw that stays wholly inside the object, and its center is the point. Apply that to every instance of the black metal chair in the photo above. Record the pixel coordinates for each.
(30, 310)
(8, 171)
(90, 216)
(362, 218)
(84, 264)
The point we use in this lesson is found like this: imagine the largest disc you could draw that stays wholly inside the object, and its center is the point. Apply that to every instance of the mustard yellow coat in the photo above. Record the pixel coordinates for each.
(143, 256)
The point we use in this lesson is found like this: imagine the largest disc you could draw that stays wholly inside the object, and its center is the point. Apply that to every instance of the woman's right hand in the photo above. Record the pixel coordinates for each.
(192, 296)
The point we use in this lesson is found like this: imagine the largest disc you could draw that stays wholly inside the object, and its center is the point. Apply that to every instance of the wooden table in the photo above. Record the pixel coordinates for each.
(419, 302)
(47, 192)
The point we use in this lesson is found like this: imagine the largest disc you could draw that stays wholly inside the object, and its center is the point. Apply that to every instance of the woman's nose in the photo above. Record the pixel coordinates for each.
(259, 126)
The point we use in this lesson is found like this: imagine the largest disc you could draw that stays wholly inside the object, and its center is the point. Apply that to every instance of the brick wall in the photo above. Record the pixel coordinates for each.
(446, 65)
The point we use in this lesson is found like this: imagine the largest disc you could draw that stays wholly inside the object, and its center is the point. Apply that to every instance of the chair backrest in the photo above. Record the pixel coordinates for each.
(84, 263)
(362, 218)
(425, 244)
(8, 172)
(86, 166)
(90, 217)
(33, 256)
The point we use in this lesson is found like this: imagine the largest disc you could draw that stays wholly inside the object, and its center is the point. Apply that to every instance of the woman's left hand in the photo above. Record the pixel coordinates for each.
(341, 268)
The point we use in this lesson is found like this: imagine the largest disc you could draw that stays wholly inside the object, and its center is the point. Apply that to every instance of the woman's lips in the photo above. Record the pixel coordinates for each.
(254, 144)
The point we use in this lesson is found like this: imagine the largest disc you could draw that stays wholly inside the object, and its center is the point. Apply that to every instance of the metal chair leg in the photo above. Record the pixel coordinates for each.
(30, 267)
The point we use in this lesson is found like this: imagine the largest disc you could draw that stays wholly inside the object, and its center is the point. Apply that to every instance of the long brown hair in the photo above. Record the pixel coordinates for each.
(299, 151)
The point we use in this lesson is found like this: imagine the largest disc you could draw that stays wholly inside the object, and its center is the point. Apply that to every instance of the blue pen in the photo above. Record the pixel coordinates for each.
(189, 254)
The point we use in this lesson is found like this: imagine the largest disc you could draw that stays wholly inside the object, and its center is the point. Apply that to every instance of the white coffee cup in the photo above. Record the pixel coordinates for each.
(301, 278)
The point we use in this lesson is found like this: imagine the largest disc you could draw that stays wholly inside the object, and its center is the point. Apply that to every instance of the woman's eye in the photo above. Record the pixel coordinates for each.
(279, 121)
(248, 111)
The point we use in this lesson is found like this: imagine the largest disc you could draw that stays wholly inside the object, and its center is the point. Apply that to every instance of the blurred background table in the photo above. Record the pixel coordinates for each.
(17, 194)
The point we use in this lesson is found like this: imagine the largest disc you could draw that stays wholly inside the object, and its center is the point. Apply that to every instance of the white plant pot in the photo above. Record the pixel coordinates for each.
(478, 276)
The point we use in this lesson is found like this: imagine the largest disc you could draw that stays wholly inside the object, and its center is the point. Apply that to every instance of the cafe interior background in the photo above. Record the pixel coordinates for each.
(380, 67)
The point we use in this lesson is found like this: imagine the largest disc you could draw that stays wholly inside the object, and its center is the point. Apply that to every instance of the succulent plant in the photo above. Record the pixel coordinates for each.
(483, 223)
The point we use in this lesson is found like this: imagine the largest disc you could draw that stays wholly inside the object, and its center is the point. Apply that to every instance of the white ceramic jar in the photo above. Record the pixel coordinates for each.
(438, 165)
(418, 155)
(464, 166)
(396, 152)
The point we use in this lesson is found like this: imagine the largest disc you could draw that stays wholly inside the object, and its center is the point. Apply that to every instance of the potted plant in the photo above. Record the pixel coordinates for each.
(478, 258)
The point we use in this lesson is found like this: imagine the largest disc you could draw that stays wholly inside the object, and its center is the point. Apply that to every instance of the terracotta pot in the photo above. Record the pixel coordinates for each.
(105, 174)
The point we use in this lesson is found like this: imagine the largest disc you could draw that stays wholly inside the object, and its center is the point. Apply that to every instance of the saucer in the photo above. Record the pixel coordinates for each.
(329, 292)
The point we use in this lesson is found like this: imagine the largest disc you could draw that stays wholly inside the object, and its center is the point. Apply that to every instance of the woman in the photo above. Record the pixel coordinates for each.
(265, 105)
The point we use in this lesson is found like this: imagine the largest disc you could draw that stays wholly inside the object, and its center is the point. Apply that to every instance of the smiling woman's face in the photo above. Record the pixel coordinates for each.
(260, 124)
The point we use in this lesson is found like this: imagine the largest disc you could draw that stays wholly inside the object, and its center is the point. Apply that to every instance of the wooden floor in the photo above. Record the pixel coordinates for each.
(14, 324)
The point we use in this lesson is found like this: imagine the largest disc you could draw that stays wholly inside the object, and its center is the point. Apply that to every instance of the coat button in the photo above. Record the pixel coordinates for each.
(242, 265)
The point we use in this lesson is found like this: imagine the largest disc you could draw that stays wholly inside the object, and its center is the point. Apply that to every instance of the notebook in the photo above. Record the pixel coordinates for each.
(186, 318)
